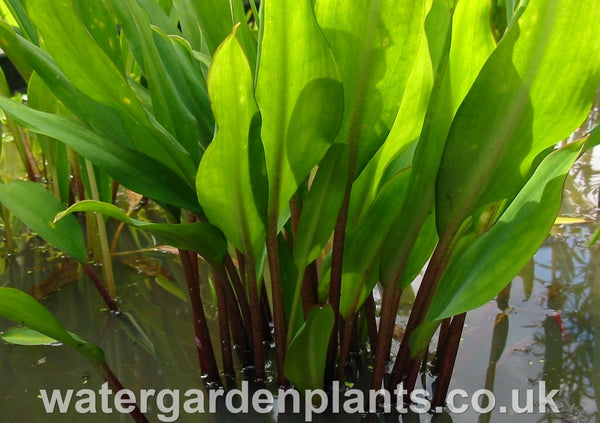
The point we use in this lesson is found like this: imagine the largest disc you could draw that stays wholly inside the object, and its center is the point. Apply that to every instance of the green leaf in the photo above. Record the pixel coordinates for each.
(10, 44)
(36, 207)
(457, 60)
(365, 240)
(66, 37)
(102, 26)
(203, 238)
(26, 336)
(134, 170)
(321, 206)
(375, 44)
(513, 113)
(479, 270)
(169, 286)
(17, 10)
(306, 355)
(165, 81)
(22, 309)
(231, 183)
(299, 94)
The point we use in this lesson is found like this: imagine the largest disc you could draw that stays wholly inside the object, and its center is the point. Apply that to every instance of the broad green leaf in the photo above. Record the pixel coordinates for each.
(365, 240)
(36, 207)
(375, 50)
(210, 23)
(400, 144)
(104, 120)
(299, 94)
(102, 26)
(306, 355)
(203, 238)
(18, 12)
(321, 206)
(66, 37)
(10, 44)
(26, 336)
(40, 97)
(230, 183)
(165, 81)
(477, 272)
(513, 113)
(17, 306)
(134, 170)
(193, 88)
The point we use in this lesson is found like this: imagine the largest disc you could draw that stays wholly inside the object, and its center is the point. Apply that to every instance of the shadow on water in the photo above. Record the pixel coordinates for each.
(542, 328)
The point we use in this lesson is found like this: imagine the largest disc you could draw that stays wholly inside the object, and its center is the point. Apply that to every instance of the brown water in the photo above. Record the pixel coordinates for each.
(542, 328)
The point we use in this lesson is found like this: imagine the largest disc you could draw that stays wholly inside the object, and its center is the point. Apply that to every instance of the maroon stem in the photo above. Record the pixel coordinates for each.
(432, 276)
(448, 360)
(206, 356)
(223, 311)
(335, 286)
(345, 349)
(277, 298)
(442, 342)
(389, 308)
(369, 309)
(236, 323)
(116, 386)
(256, 321)
(266, 313)
(110, 302)
(240, 291)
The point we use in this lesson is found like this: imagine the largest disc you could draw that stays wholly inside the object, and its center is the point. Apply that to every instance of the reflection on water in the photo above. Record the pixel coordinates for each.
(542, 327)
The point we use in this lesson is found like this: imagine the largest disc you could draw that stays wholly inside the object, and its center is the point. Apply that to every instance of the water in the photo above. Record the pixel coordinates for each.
(541, 329)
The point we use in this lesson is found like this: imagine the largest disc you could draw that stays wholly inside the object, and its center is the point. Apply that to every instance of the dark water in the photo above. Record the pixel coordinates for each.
(542, 328)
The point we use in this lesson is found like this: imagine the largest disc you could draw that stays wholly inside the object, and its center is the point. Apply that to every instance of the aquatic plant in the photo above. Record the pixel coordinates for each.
(315, 150)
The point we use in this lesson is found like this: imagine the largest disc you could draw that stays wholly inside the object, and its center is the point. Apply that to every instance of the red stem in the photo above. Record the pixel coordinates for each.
(116, 386)
(110, 302)
(206, 356)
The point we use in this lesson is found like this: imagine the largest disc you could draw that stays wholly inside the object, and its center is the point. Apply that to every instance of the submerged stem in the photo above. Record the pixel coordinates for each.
(110, 302)
(206, 356)
(448, 359)
(256, 319)
(117, 386)
(223, 311)
(277, 293)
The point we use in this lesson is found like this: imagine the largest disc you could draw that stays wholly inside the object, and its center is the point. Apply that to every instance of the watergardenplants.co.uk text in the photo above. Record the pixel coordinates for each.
(171, 403)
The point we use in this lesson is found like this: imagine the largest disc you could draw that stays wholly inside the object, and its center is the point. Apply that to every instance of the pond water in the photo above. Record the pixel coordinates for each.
(543, 327)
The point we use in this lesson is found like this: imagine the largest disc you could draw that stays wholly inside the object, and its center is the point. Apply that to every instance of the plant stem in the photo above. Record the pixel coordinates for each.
(10, 244)
(236, 323)
(116, 386)
(345, 349)
(369, 309)
(267, 316)
(448, 359)
(24, 150)
(256, 321)
(107, 268)
(223, 311)
(240, 292)
(206, 356)
(442, 342)
(110, 302)
(432, 276)
(389, 308)
(335, 284)
(277, 294)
